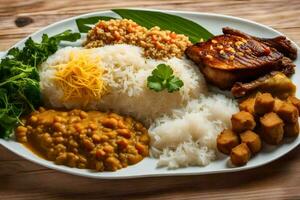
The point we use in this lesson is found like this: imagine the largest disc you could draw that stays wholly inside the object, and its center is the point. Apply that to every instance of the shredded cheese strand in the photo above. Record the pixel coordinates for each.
(80, 79)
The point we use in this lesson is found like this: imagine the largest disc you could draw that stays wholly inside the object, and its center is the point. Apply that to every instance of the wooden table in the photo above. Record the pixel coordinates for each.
(20, 179)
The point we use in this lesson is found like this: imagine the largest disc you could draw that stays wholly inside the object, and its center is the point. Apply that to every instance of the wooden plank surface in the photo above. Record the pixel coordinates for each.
(20, 179)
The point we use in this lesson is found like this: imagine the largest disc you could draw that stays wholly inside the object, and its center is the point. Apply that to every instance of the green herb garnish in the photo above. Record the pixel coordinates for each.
(19, 78)
(162, 78)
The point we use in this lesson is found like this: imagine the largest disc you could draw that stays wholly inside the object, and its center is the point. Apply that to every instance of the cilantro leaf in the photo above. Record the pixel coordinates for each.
(154, 83)
(162, 78)
(162, 71)
(174, 84)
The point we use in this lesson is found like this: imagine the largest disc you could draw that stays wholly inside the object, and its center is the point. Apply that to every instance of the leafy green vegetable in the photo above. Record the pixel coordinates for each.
(83, 24)
(162, 78)
(34, 53)
(19, 78)
(165, 21)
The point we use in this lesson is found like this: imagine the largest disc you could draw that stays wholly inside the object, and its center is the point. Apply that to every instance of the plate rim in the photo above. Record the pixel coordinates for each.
(173, 172)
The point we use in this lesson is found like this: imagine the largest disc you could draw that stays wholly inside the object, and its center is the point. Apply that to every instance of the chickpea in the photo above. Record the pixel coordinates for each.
(59, 139)
(99, 166)
(108, 149)
(110, 122)
(104, 138)
(22, 139)
(100, 153)
(96, 138)
(124, 132)
(83, 114)
(73, 143)
(60, 148)
(57, 119)
(81, 165)
(61, 158)
(121, 124)
(123, 143)
(142, 149)
(21, 129)
(58, 127)
(134, 158)
(112, 163)
(33, 119)
(74, 119)
(82, 159)
(78, 127)
(145, 139)
(88, 144)
(138, 126)
(93, 126)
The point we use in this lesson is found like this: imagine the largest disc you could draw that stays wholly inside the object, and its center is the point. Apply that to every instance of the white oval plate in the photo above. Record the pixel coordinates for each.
(147, 167)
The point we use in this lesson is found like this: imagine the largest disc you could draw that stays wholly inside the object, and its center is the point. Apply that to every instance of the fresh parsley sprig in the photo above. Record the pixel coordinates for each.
(162, 78)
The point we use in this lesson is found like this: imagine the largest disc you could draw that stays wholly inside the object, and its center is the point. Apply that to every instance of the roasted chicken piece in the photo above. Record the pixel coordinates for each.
(276, 83)
(238, 57)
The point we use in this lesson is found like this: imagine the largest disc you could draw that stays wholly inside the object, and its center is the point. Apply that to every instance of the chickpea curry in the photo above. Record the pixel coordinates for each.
(91, 140)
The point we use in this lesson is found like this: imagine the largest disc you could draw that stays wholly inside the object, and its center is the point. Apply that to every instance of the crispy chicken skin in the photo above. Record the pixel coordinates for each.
(238, 57)
(280, 43)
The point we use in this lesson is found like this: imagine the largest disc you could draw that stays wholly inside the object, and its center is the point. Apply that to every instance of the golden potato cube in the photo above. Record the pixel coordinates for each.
(277, 104)
(288, 112)
(226, 140)
(240, 155)
(242, 121)
(291, 129)
(248, 105)
(295, 101)
(264, 103)
(252, 140)
(271, 128)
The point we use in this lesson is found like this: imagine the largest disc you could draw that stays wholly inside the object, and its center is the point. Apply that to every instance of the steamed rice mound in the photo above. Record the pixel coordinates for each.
(125, 75)
(188, 136)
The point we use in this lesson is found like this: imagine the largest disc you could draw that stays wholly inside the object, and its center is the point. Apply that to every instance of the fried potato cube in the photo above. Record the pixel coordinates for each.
(242, 121)
(288, 112)
(277, 104)
(264, 103)
(291, 129)
(252, 140)
(240, 155)
(227, 140)
(295, 101)
(271, 128)
(248, 105)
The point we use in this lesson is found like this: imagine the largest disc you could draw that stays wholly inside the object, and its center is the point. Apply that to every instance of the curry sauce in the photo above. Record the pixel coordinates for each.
(92, 140)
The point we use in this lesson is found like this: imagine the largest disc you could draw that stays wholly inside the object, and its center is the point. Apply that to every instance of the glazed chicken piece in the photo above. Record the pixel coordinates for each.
(238, 57)
(276, 83)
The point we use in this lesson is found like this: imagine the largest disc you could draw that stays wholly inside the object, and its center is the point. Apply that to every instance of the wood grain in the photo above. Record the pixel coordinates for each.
(20, 179)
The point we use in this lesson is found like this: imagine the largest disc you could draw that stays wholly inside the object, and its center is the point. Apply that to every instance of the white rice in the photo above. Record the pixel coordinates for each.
(183, 125)
(126, 72)
(188, 135)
